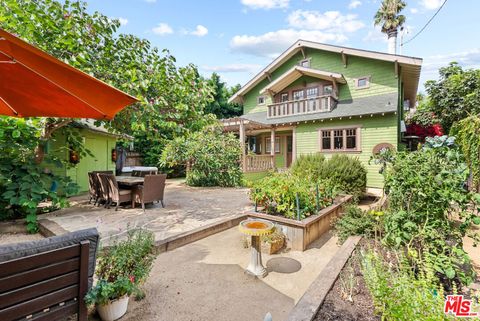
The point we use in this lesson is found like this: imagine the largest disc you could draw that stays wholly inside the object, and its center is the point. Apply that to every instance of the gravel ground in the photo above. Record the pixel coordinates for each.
(6, 238)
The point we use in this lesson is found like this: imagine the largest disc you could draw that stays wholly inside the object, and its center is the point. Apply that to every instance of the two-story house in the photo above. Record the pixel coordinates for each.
(318, 98)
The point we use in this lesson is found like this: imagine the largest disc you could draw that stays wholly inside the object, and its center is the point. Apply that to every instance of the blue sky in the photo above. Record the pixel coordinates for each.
(237, 38)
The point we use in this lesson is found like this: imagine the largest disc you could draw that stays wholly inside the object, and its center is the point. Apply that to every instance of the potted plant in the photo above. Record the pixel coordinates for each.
(121, 269)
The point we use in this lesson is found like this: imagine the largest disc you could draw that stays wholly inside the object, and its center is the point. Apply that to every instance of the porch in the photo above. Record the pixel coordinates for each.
(266, 147)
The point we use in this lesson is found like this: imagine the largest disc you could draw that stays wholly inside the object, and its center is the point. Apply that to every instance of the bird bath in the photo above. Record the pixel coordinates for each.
(256, 228)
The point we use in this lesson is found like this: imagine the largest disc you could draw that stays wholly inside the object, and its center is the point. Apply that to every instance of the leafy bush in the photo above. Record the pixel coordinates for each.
(347, 173)
(277, 193)
(399, 294)
(429, 209)
(24, 183)
(212, 158)
(122, 267)
(309, 166)
(355, 221)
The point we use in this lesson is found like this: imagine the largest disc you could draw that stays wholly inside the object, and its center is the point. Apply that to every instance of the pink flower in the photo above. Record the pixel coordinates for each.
(132, 279)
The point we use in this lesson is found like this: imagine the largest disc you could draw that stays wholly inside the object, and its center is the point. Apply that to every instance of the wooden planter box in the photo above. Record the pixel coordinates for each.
(300, 234)
(266, 247)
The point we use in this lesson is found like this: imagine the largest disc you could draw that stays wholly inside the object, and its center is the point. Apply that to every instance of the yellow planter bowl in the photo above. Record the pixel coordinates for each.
(256, 227)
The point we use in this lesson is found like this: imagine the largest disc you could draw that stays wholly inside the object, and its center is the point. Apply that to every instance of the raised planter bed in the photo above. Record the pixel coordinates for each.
(300, 234)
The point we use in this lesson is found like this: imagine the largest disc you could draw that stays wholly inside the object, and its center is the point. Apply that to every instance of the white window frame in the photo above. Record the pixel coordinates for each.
(344, 149)
(277, 145)
(367, 82)
(264, 100)
(307, 61)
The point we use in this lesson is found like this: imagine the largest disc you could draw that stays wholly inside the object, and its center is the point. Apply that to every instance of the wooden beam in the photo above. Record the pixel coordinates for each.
(344, 59)
(397, 69)
(269, 76)
(303, 52)
(294, 144)
(242, 144)
(272, 146)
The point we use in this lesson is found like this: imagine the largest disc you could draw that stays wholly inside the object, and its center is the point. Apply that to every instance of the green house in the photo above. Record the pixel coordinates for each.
(97, 139)
(318, 98)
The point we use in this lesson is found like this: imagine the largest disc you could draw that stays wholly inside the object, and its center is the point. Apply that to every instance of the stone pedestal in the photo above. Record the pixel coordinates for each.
(255, 267)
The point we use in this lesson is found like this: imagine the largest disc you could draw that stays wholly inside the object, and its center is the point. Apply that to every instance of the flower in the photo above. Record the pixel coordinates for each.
(132, 278)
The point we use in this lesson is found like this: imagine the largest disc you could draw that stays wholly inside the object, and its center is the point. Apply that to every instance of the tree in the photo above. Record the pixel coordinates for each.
(172, 99)
(389, 18)
(220, 106)
(455, 95)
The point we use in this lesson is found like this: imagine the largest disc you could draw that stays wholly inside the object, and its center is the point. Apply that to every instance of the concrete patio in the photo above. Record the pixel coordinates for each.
(186, 208)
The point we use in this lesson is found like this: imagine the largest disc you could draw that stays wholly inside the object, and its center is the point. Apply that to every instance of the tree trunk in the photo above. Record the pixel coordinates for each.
(50, 128)
(392, 41)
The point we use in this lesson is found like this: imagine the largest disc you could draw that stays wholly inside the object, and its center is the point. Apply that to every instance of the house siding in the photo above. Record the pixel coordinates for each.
(100, 146)
(374, 130)
(381, 73)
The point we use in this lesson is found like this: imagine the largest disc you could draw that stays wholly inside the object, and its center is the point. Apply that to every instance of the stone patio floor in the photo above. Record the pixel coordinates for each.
(186, 208)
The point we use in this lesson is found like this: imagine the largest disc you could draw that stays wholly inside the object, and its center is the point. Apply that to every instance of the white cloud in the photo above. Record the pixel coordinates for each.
(273, 43)
(354, 4)
(123, 21)
(375, 35)
(234, 68)
(162, 29)
(431, 64)
(414, 10)
(431, 4)
(329, 20)
(200, 31)
(265, 4)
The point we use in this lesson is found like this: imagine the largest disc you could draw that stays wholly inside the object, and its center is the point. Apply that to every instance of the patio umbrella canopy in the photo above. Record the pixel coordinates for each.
(35, 84)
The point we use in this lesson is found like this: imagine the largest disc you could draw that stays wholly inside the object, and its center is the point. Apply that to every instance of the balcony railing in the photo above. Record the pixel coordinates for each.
(258, 163)
(317, 104)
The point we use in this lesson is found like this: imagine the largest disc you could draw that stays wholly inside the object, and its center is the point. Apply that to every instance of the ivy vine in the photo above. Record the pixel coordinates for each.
(467, 132)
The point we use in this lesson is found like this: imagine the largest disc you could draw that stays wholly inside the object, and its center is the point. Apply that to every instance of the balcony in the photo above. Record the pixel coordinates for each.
(319, 104)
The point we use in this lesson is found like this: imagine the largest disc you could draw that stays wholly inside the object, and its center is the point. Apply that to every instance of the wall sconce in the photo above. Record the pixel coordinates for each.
(74, 157)
(114, 155)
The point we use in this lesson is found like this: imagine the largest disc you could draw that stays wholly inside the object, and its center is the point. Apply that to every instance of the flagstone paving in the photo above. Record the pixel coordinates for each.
(186, 208)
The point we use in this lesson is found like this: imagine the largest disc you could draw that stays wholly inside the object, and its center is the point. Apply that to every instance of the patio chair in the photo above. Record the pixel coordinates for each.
(47, 279)
(152, 190)
(116, 194)
(103, 194)
(92, 187)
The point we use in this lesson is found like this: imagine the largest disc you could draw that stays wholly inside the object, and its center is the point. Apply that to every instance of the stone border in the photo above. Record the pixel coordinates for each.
(307, 307)
(176, 241)
(50, 228)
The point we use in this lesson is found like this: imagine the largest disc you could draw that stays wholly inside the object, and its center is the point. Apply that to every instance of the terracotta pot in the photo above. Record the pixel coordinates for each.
(113, 310)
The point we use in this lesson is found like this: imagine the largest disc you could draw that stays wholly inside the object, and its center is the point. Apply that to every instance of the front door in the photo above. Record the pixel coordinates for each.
(289, 150)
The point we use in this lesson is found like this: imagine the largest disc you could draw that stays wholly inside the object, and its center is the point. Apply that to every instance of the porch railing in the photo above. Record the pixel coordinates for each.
(317, 104)
(258, 163)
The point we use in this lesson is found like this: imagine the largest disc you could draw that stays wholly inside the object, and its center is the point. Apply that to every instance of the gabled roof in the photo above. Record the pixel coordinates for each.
(364, 106)
(410, 66)
(298, 71)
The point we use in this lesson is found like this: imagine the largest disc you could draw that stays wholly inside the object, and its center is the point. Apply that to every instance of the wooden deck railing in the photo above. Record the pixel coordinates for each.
(258, 163)
(303, 106)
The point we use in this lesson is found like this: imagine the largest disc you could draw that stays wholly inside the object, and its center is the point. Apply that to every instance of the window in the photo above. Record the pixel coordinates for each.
(277, 145)
(284, 97)
(298, 95)
(339, 139)
(305, 63)
(312, 92)
(252, 144)
(326, 139)
(261, 100)
(363, 82)
(327, 89)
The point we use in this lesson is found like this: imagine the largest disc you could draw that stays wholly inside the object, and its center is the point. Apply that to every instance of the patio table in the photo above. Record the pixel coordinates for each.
(130, 180)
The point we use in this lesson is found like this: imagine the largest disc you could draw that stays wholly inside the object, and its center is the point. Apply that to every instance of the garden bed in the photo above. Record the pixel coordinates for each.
(301, 233)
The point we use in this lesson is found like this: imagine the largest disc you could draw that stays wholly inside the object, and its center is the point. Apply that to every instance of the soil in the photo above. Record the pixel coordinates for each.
(349, 299)
(6, 238)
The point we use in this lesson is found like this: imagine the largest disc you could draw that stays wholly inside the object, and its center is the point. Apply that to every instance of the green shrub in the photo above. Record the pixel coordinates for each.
(355, 221)
(309, 166)
(429, 209)
(211, 157)
(347, 173)
(277, 193)
(400, 294)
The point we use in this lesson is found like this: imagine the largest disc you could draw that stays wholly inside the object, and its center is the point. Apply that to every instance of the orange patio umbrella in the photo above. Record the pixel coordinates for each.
(35, 84)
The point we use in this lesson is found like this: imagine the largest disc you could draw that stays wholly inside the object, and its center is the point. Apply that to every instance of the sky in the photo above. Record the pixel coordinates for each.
(238, 38)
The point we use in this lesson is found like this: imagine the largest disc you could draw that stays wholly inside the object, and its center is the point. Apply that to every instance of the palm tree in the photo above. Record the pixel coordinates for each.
(389, 18)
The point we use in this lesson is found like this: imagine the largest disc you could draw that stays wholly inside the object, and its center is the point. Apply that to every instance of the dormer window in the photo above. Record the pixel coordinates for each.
(362, 82)
(261, 100)
(305, 63)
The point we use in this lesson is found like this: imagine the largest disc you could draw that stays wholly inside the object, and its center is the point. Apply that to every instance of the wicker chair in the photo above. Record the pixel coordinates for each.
(152, 190)
(116, 194)
(92, 187)
(97, 191)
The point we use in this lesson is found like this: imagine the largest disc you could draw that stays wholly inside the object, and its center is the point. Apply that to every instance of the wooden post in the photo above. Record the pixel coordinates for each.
(294, 144)
(272, 146)
(83, 280)
(242, 144)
